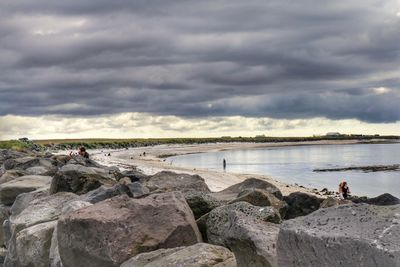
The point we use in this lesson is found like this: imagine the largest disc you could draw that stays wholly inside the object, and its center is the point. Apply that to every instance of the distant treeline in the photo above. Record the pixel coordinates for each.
(63, 144)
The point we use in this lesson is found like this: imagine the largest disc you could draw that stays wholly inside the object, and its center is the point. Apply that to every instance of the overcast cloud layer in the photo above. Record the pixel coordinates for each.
(194, 59)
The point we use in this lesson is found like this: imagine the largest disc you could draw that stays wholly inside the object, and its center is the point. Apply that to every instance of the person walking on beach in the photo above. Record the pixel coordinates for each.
(224, 164)
(344, 190)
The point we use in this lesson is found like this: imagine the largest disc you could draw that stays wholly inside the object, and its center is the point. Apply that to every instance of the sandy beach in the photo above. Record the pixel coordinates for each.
(154, 161)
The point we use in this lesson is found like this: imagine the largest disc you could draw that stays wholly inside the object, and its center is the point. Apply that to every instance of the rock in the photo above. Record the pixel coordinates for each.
(381, 200)
(166, 181)
(6, 228)
(27, 162)
(105, 192)
(218, 219)
(201, 203)
(10, 175)
(198, 255)
(110, 232)
(10, 154)
(55, 259)
(75, 205)
(38, 170)
(23, 200)
(80, 179)
(347, 235)
(33, 245)
(246, 230)
(4, 215)
(79, 160)
(41, 210)
(301, 204)
(136, 189)
(333, 201)
(262, 198)
(10, 190)
(233, 191)
(3, 253)
(134, 175)
(54, 254)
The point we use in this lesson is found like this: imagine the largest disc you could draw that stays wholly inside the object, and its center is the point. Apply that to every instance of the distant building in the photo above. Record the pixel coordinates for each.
(333, 134)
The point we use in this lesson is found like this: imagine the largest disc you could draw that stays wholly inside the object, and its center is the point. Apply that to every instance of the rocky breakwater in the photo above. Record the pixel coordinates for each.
(63, 212)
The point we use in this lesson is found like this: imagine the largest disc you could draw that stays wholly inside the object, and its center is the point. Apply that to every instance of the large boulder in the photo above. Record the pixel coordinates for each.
(167, 181)
(347, 235)
(198, 255)
(55, 259)
(247, 231)
(80, 179)
(381, 200)
(104, 192)
(10, 175)
(218, 223)
(333, 201)
(262, 198)
(41, 210)
(27, 162)
(10, 154)
(24, 200)
(10, 190)
(233, 191)
(201, 203)
(110, 232)
(301, 204)
(4, 215)
(33, 245)
(133, 175)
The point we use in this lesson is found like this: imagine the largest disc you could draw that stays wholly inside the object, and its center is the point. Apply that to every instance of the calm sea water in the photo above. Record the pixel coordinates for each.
(296, 164)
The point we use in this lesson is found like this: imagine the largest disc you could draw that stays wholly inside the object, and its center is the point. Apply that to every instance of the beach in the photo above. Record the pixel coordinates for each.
(154, 161)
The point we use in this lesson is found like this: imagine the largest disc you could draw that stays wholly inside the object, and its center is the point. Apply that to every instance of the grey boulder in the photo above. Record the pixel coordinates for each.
(167, 181)
(262, 198)
(10, 190)
(198, 255)
(347, 235)
(27, 162)
(247, 231)
(10, 175)
(301, 204)
(112, 231)
(80, 179)
(33, 245)
(233, 191)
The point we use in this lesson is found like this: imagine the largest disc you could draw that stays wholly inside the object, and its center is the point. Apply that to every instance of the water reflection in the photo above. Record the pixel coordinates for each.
(296, 164)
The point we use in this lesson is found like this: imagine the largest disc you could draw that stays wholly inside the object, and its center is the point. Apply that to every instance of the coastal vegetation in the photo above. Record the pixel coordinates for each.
(104, 143)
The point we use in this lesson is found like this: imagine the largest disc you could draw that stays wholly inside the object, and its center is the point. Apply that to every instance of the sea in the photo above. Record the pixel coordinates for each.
(296, 165)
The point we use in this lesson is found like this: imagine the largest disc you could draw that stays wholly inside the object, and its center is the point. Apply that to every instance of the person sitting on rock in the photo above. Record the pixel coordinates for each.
(81, 152)
(344, 190)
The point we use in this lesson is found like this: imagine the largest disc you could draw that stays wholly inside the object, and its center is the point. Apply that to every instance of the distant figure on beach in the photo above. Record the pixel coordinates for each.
(144, 154)
(81, 152)
(224, 164)
(344, 190)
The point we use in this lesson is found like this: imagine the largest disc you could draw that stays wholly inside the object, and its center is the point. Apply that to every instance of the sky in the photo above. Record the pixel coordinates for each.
(122, 69)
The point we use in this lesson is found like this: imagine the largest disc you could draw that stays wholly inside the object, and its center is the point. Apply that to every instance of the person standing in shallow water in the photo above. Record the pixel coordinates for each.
(344, 190)
(224, 164)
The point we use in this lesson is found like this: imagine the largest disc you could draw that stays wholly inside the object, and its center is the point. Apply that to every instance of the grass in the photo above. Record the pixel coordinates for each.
(14, 145)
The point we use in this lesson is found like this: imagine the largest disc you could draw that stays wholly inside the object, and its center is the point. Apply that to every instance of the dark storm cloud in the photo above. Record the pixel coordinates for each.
(280, 59)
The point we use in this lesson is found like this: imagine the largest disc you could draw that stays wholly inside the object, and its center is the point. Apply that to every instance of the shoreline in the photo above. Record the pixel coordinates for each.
(155, 161)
